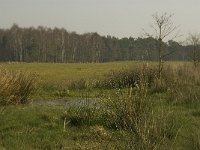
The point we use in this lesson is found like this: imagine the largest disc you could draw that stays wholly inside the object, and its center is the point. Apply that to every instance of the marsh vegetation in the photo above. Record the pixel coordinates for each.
(134, 108)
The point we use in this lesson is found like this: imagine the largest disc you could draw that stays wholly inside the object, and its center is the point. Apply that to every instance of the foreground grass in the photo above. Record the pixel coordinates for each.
(27, 127)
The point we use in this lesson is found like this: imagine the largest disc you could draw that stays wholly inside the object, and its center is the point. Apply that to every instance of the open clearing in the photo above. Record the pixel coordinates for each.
(49, 123)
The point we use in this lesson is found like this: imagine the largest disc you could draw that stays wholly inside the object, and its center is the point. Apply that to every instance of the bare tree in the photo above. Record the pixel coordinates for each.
(194, 40)
(163, 28)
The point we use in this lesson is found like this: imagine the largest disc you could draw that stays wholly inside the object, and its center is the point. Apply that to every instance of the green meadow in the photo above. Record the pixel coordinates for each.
(54, 78)
(134, 109)
(49, 72)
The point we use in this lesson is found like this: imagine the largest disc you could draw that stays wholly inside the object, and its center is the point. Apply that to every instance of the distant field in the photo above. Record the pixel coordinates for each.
(49, 72)
(53, 78)
(59, 75)
(63, 73)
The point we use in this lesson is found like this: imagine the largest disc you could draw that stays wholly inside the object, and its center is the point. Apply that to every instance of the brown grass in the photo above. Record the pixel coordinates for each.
(15, 87)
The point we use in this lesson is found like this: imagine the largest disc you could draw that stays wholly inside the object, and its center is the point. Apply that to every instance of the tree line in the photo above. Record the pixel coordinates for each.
(43, 44)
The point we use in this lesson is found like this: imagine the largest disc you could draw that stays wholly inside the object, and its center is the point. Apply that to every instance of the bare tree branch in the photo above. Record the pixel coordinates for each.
(162, 27)
(194, 40)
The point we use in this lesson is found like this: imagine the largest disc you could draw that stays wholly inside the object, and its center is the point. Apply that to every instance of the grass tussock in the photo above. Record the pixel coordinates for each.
(82, 116)
(15, 87)
(126, 78)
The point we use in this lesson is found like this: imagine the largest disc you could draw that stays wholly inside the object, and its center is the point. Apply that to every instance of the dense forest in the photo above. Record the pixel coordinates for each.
(57, 45)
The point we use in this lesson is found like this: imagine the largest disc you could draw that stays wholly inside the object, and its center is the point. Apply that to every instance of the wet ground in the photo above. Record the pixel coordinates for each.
(66, 103)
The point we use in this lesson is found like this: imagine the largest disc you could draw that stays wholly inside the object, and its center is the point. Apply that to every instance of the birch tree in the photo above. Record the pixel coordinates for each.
(163, 28)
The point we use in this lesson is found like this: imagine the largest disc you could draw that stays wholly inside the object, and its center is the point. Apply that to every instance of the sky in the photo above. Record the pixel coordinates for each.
(120, 18)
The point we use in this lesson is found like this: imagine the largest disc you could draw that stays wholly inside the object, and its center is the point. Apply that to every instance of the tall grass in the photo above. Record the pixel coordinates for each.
(184, 85)
(15, 87)
(126, 78)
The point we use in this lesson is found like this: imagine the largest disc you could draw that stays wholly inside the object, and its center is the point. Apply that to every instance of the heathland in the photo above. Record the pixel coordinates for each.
(124, 105)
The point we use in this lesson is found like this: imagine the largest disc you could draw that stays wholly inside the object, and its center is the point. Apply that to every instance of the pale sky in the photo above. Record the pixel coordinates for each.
(120, 18)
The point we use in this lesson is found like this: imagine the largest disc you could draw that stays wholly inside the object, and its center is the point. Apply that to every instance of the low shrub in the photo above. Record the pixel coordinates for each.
(126, 78)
